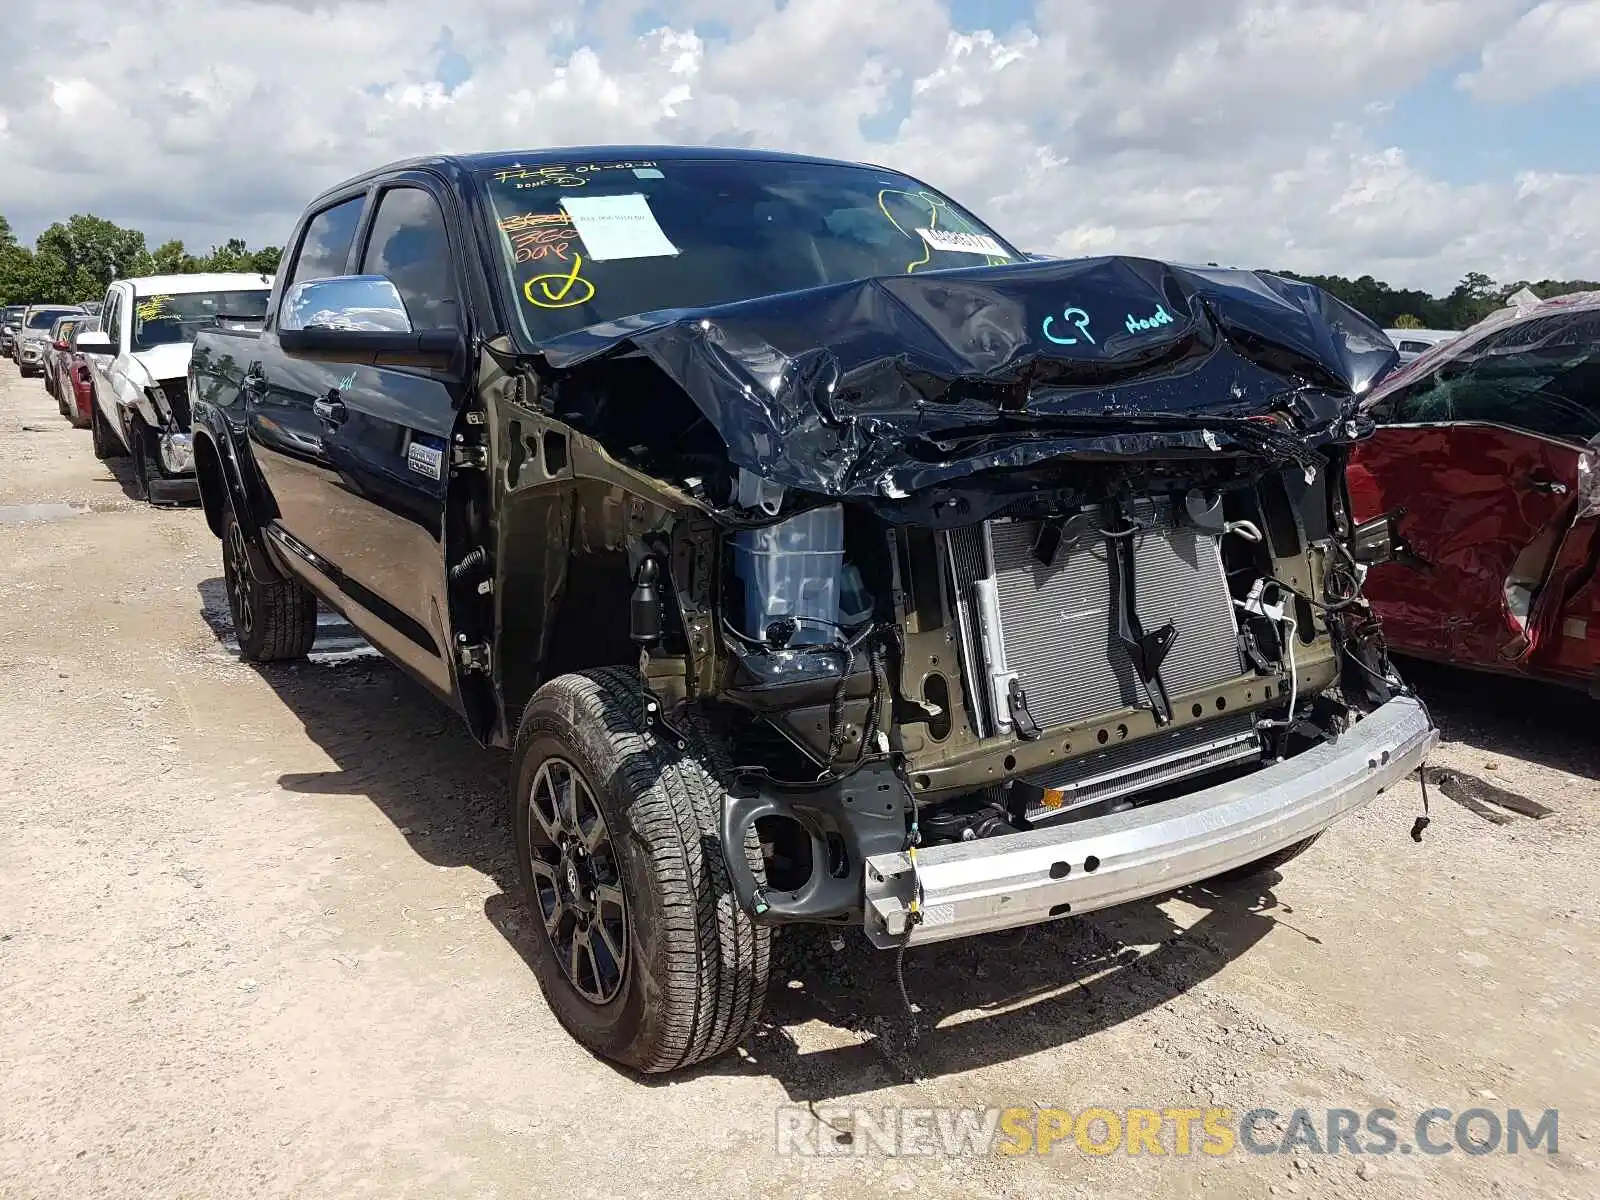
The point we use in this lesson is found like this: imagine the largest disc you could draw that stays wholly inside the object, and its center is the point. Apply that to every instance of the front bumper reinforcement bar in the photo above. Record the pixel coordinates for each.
(1018, 879)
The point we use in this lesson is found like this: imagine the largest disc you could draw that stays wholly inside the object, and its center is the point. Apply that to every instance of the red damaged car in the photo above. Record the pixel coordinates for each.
(1487, 453)
(67, 377)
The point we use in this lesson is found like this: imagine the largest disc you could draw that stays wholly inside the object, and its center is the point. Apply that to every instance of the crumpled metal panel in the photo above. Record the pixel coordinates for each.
(884, 387)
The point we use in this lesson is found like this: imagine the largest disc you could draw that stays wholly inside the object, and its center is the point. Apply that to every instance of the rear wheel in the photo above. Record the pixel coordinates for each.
(642, 950)
(273, 621)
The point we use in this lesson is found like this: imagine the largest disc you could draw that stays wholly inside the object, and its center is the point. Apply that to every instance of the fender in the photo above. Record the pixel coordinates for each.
(139, 383)
(208, 442)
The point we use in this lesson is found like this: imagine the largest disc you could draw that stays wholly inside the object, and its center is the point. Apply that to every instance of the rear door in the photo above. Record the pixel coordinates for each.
(1485, 453)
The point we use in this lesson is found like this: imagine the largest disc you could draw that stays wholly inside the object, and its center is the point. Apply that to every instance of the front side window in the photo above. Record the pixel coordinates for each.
(326, 246)
(113, 320)
(1541, 376)
(584, 242)
(409, 246)
(63, 330)
(160, 320)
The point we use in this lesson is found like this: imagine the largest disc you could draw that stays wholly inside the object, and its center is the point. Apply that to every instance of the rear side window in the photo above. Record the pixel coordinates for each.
(409, 246)
(326, 246)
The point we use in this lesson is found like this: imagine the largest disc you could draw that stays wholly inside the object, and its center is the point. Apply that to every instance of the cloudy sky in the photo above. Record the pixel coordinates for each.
(1413, 139)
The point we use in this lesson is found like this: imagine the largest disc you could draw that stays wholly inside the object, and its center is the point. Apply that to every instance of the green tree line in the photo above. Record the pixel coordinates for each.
(1474, 298)
(75, 260)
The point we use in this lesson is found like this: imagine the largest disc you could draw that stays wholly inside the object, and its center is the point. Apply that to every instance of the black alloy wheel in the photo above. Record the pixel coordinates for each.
(577, 881)
(238, 581)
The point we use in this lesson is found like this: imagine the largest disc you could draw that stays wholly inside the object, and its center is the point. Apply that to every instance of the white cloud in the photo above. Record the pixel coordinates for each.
(1553, 45)
(1229, 131)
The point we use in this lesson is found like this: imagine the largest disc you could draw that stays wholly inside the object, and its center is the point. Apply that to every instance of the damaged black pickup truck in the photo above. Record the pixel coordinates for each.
(820, 556)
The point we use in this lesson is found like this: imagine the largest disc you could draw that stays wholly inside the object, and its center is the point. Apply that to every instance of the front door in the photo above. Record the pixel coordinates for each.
(367, 446)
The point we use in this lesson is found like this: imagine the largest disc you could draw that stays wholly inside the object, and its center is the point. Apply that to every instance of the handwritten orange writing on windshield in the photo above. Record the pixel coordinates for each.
(539, 235)
(566, 289)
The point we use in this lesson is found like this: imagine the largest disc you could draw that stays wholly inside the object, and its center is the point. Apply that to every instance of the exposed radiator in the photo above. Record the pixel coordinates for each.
(1053, 626)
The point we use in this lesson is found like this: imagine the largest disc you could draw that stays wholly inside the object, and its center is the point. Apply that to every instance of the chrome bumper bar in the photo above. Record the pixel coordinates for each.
(1018, 879)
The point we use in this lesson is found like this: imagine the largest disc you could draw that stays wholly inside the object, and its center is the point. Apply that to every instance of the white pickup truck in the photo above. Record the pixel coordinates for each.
(139, 367)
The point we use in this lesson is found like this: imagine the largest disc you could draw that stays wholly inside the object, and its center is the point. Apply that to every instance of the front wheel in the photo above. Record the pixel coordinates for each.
(273, 621)
(1269, 862)
(157, 485)
(642, 950)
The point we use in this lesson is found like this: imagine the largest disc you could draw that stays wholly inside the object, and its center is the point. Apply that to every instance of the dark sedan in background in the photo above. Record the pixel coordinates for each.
(10, 322)
(1489, 448)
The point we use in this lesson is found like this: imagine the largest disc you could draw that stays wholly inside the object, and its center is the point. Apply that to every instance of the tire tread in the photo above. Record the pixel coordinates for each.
(717, 958)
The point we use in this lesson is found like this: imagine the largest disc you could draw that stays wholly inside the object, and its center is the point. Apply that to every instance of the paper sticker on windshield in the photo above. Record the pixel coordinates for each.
(615, 227)
(962, 243)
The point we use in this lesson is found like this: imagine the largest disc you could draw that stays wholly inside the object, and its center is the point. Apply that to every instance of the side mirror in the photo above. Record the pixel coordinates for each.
(95, 341)
(355, 316)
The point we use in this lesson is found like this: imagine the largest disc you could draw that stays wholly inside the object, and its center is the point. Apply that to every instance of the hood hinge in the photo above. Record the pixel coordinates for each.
(469, 458)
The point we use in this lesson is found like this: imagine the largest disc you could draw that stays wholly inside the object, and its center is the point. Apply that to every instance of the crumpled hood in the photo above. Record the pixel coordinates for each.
(170, 361)
(886, 386)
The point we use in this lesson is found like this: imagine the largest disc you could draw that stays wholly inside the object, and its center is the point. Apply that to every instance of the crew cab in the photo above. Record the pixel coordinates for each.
(819, 556)
(139, 362)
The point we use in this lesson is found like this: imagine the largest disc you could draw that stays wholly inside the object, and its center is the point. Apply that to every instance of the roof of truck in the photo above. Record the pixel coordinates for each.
(215, 281)
(507, 160)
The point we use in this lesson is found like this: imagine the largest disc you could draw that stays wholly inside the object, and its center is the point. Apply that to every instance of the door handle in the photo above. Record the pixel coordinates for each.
(329, 409)
(1546, 485)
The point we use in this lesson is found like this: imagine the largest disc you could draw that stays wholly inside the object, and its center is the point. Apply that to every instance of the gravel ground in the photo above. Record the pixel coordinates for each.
(259, 937)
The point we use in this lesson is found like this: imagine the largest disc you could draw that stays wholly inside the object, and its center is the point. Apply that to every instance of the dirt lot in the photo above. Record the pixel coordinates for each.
(258, 937)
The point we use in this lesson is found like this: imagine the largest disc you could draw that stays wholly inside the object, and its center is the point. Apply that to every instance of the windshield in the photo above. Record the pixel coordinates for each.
(1541, 375)
(13, 314)
(592, 241)
(43, 318)
(163, 320)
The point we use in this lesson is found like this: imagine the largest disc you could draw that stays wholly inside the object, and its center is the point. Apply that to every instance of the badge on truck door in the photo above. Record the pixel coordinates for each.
(425, 459)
